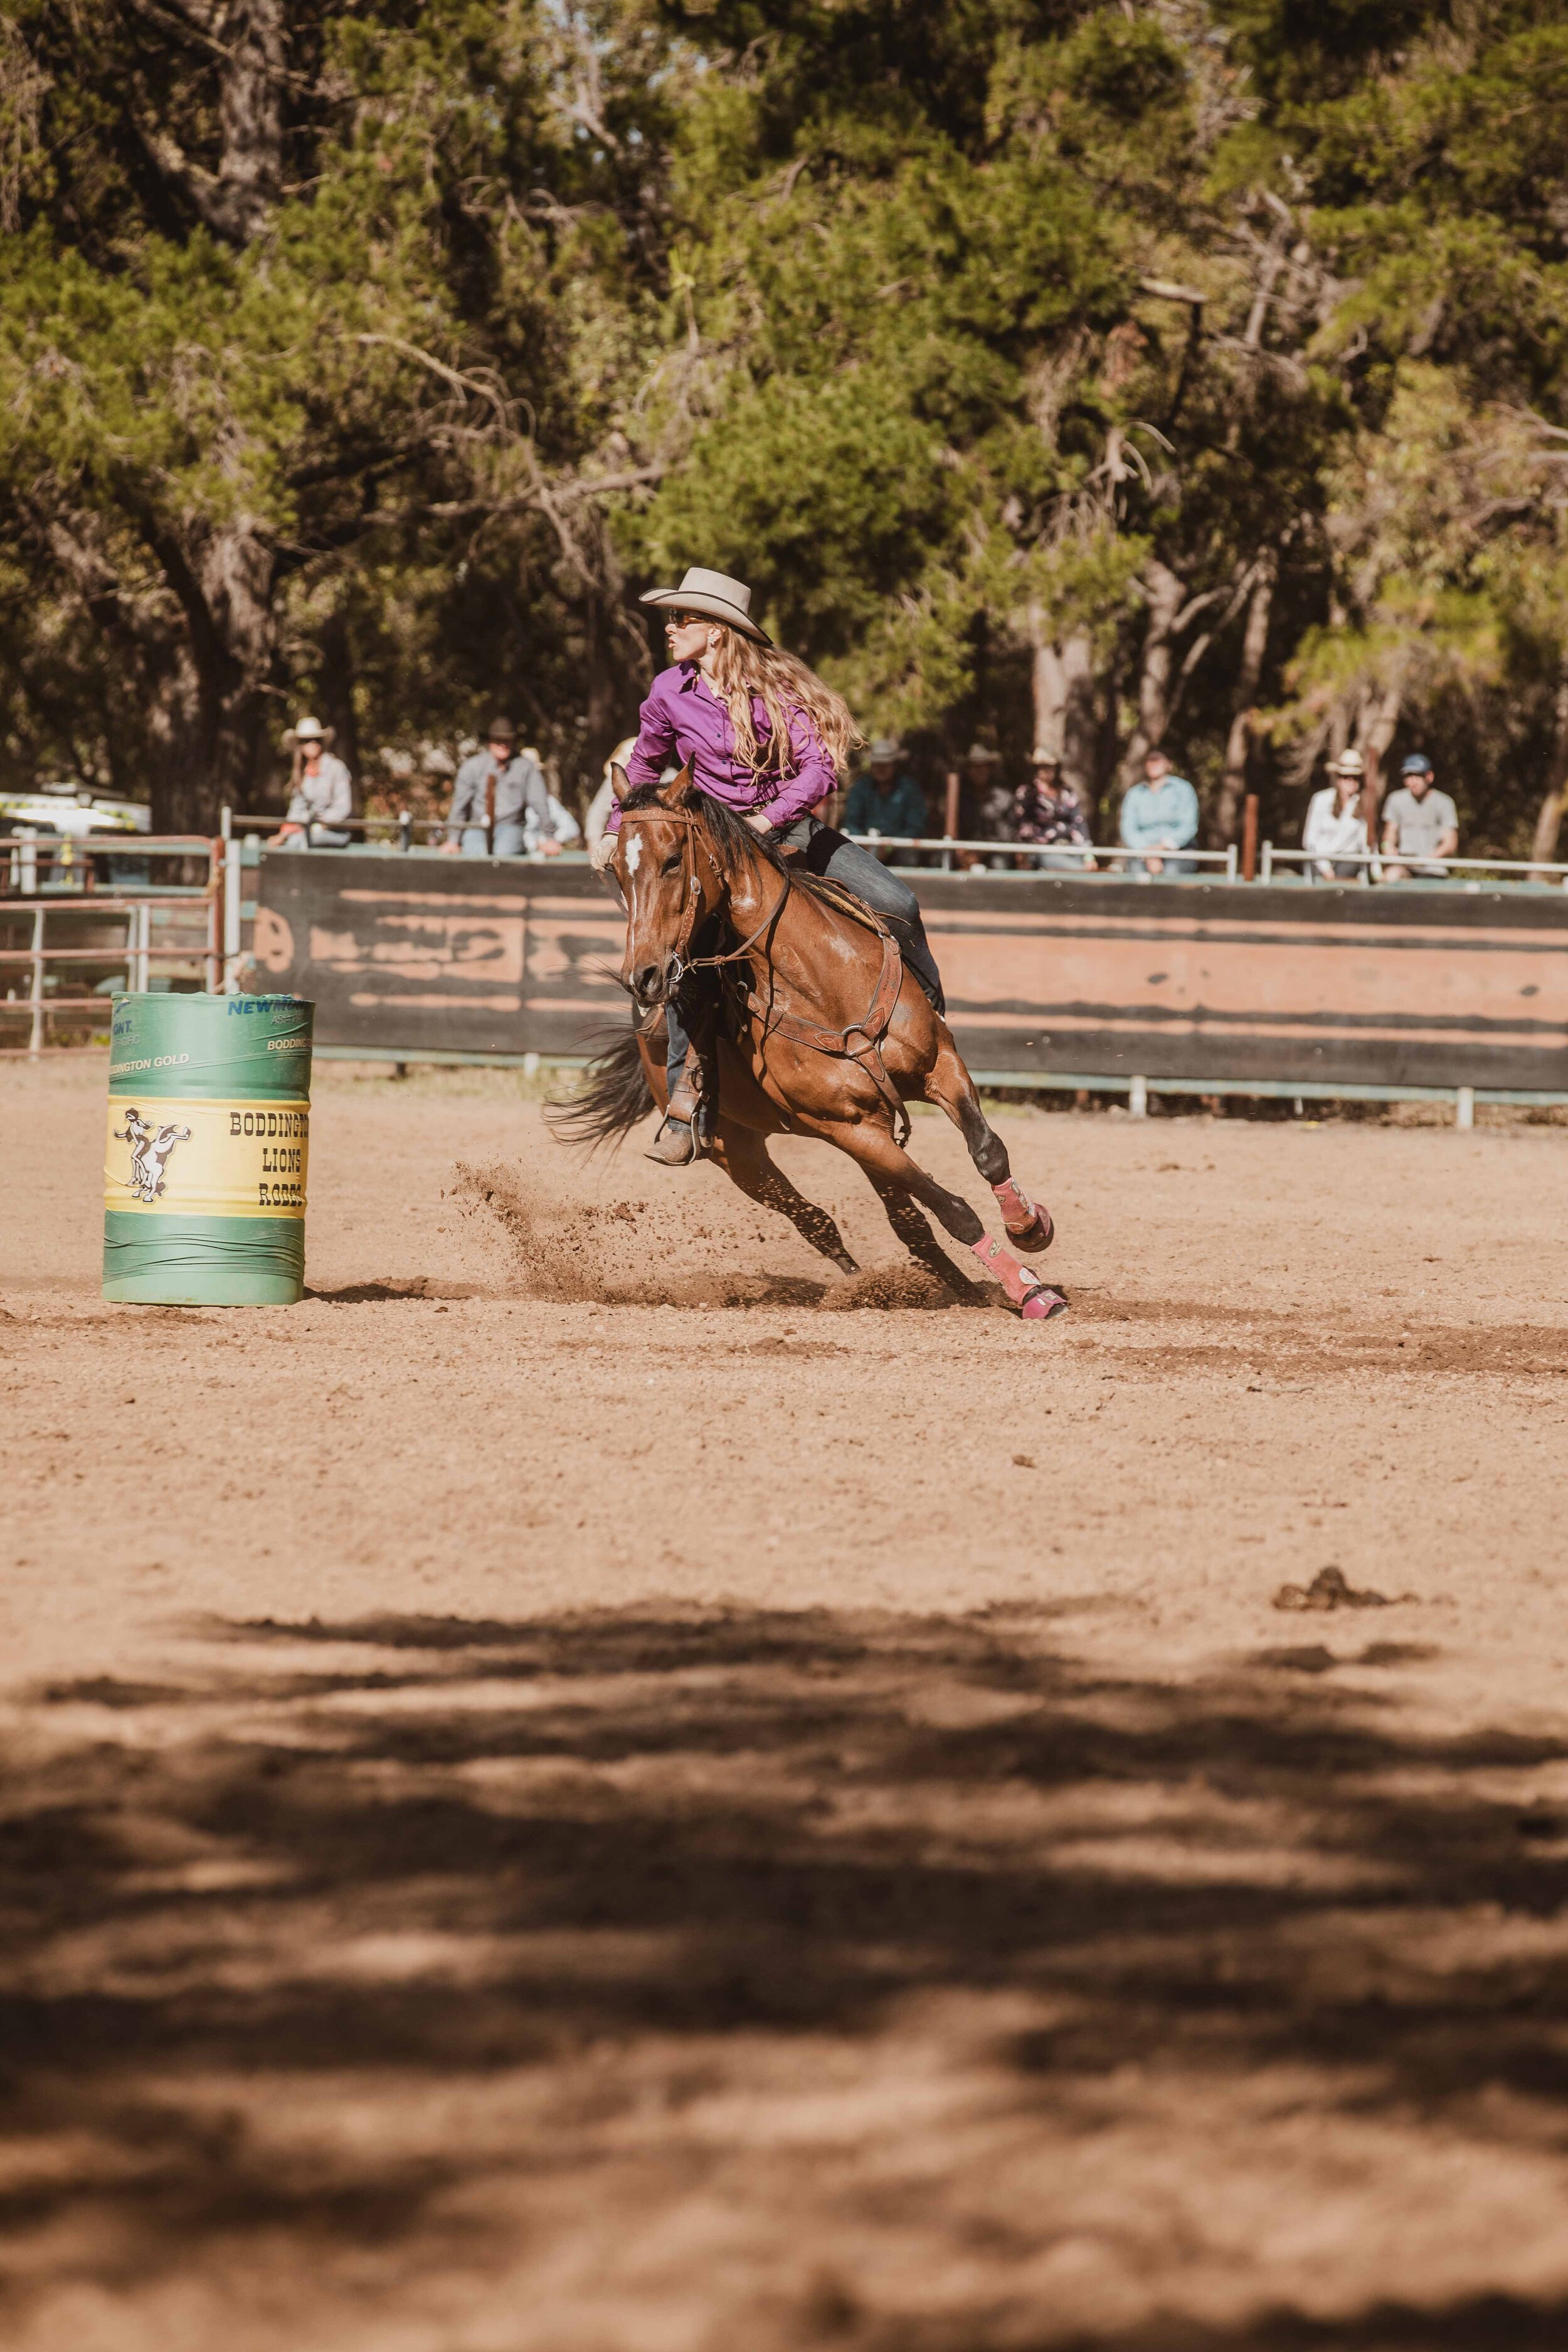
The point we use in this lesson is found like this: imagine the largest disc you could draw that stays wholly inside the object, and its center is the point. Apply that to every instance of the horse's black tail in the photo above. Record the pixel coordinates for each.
(614, 1095)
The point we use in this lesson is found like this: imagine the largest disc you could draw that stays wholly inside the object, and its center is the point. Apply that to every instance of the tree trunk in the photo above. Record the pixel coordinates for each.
(1254, 645)
(251, 115)
(1065, 703)
(338, 699)
(1375, 723)
(1165, 594)
(1549, 823)
(225, 578)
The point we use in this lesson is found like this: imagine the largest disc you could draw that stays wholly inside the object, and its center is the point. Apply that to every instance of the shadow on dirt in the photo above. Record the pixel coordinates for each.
(431, 1851)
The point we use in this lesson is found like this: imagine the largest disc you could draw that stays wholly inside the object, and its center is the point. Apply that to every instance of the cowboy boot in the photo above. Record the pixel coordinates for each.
(675, 1145)
(688, 1126)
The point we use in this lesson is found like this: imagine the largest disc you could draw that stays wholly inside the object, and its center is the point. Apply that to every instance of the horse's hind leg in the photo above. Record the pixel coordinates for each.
(908, 1224)
(950, 1086)
(883, 1159)
(743, 1155)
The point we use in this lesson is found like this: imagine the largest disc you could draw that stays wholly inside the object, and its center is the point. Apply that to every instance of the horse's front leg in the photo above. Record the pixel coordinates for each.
(884, 1160)
(909, 1227)
(950, 1086)
(745, 1160)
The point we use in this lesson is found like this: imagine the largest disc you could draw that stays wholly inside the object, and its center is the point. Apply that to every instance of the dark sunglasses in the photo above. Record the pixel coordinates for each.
(685, 620)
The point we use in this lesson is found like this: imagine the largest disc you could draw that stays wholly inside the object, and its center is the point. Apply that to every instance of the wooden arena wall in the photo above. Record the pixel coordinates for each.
(1099, 978)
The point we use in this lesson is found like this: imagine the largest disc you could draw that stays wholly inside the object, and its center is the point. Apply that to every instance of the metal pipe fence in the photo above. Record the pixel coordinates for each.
(403, 833)
(1372, 864)
(47, 878)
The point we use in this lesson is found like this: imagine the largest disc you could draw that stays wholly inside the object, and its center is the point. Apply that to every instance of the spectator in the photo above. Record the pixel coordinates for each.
(984, 806)
(886, 800)
(567, 829)
(1418, 823)
(1334, 835)
(497, 790)
(322, 795)
(604, 800)
(984, 803)
(1048, 810)
(1160, 816)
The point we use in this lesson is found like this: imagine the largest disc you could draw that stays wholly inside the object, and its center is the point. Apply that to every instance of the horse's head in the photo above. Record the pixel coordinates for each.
(670, 878)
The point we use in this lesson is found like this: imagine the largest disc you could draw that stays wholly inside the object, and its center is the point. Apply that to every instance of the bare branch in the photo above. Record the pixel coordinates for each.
(1162, 290)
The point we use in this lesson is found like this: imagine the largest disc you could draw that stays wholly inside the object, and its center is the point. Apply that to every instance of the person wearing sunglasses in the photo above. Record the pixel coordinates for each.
(763, 733)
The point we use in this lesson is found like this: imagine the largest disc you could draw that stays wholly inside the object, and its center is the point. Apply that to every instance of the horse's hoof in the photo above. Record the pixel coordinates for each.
(1036, 1237)
(1042, 1304)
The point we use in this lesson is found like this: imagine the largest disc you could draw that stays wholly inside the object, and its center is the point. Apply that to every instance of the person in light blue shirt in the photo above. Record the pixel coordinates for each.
(1159, 816)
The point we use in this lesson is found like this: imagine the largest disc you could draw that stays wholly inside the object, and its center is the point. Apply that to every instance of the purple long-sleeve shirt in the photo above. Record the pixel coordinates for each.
(684, 719)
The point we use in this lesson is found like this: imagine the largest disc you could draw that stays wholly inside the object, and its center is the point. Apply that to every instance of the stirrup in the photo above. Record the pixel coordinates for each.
(675, 1145)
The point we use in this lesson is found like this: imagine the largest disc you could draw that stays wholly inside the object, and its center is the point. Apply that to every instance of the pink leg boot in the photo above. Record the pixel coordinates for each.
(1029, 1228)
(1029, 1294)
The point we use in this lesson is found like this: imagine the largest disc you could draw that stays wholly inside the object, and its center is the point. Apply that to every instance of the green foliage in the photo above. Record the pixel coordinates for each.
(383, 364)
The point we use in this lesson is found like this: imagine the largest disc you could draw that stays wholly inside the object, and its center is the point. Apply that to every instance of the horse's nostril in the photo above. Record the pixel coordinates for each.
(645, 982)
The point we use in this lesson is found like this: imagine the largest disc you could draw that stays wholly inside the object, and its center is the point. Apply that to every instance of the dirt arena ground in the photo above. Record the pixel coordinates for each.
(575, 1793)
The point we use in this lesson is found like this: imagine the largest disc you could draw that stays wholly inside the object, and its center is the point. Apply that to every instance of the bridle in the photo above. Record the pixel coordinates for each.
(691, 892)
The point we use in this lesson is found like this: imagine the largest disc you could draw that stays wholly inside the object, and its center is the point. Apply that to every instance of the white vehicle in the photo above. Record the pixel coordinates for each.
(70, 810)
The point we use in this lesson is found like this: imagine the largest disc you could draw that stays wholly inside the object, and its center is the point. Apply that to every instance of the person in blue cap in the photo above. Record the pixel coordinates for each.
(1419, 823)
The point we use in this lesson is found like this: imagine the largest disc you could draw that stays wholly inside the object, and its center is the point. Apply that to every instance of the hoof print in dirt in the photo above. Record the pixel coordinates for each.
(1330, 1589)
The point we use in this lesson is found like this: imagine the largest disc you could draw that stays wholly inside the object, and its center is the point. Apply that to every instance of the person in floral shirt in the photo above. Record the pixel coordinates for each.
(1047, 811)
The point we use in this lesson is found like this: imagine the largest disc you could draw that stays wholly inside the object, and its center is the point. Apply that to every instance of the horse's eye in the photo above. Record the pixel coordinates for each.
(672, 862)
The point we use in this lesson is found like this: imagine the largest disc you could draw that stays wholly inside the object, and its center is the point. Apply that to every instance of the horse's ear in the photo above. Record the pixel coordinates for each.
(682, 793)
(620, 782)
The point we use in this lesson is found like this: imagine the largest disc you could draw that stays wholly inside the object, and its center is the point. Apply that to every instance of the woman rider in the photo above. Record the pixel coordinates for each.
(764, 735)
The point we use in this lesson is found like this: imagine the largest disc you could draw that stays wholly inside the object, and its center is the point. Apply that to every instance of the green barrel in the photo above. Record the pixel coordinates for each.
(209, 1125)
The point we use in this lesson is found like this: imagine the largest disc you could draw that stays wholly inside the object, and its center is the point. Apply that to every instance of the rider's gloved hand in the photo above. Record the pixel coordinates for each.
(604, 849)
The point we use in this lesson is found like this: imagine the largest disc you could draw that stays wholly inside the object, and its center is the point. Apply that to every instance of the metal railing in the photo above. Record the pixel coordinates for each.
(51, 877)
(1372, 863)
(402, 832)
(1057, 856)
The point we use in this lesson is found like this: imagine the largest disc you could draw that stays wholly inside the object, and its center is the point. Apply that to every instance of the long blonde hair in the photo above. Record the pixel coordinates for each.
(741, 669)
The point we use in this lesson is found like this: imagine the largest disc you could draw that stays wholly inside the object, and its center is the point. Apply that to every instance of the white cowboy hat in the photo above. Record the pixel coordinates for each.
(715, 594)
(1350, 763)
(308, 731)
(882, 748)
(1043, 756)
(978, 751)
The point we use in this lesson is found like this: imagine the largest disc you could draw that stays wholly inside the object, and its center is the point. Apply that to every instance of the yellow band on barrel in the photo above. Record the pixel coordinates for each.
(206, 1159)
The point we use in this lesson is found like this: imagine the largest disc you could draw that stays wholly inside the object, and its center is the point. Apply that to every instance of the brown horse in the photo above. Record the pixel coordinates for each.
(821, 1031)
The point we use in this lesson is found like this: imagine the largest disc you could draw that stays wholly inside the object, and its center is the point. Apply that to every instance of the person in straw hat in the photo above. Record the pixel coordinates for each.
(322, 799)
(1334, 835)
(1047, 811)
(764, 735)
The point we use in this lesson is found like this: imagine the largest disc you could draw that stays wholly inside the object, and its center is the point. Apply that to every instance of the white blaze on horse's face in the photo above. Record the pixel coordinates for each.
(634, 854)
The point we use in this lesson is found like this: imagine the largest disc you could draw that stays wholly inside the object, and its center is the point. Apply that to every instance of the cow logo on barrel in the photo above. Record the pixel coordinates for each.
(149, 1149)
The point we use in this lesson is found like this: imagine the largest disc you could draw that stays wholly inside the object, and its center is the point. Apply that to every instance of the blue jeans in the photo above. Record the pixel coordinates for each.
(317, 837)
(824, 851)
(509, 840)
(1172, 866)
